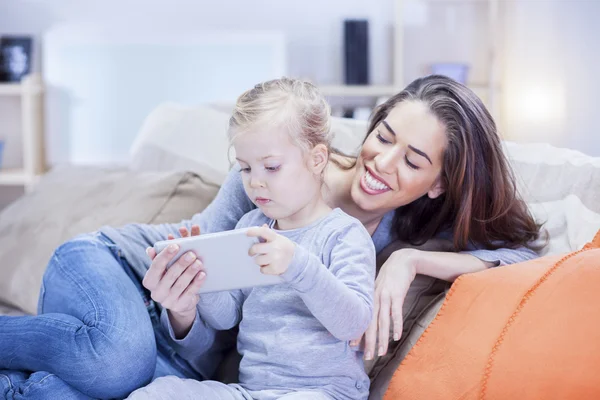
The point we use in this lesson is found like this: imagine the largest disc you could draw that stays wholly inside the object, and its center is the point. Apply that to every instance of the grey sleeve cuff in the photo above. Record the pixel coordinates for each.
(296, 272)
(198, 339)
(500, 257)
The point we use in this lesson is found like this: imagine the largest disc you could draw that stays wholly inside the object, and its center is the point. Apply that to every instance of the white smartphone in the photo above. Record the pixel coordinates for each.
(226, 261)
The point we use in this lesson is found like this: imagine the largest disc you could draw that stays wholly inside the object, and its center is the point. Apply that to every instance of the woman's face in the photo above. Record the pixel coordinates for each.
(401, 159)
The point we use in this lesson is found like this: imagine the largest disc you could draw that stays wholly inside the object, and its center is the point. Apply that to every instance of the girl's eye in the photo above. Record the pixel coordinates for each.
(246, 170)
(273, 169)
(382, 139)
(410, 165)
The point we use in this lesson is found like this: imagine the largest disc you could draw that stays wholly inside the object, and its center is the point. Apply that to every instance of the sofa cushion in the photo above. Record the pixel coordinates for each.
(531, 334)
(177, 137)
(561, 186)
(69, 201)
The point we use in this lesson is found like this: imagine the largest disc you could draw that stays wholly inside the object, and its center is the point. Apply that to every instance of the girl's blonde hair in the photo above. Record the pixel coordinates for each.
(288, 103)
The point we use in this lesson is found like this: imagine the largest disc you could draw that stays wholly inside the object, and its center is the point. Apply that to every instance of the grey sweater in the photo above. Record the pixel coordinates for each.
(294, 336)
(224, 213)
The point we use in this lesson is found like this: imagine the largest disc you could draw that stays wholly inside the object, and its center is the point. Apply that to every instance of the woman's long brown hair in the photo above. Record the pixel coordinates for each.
(481, 205)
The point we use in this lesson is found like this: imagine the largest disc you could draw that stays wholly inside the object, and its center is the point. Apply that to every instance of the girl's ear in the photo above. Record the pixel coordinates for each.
(319, 156)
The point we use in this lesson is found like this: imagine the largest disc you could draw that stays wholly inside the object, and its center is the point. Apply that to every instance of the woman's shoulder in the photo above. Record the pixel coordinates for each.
(385, 232)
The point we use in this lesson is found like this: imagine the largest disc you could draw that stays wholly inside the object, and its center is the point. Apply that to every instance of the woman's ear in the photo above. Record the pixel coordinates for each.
(437, 189)
(319, 156)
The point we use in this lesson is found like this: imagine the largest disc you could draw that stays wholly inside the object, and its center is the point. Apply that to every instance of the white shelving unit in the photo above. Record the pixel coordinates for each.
(30, 92)
(487, 90)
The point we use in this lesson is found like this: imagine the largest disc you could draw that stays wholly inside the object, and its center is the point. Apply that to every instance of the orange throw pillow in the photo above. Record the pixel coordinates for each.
(524, 331)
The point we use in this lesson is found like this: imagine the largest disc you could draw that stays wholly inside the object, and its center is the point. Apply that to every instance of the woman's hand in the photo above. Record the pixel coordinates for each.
(176, 289)
(391, 287)
(275, 254)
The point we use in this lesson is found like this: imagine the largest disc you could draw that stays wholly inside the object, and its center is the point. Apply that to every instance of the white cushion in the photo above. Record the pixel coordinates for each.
(561, 186)
(176, 137)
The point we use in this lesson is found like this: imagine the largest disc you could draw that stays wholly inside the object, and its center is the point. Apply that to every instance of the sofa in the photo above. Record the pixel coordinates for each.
(181, 156)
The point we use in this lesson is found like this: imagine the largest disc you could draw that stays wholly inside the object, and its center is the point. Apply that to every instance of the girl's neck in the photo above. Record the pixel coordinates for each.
(310, 213)
(338, 183)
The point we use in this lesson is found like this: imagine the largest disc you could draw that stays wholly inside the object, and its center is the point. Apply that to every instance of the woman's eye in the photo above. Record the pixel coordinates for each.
(247, 169)
(410, 165)
(382, 139)
(273, 169)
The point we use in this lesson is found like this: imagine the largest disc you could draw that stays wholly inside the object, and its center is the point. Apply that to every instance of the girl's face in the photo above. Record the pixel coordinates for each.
(401, 159)
(276, 174)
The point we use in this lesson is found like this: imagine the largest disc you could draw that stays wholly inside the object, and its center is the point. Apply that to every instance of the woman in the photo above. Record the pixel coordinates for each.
(431, 166)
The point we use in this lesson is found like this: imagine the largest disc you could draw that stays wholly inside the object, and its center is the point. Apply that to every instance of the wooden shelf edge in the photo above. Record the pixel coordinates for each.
(15, 177)
(358, 90)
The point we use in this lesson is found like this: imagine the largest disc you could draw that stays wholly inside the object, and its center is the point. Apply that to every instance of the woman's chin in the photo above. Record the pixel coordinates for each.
(362, 199)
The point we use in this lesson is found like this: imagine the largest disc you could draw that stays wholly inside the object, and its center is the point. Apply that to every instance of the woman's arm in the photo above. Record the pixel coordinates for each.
(446, 266)
(394, 280)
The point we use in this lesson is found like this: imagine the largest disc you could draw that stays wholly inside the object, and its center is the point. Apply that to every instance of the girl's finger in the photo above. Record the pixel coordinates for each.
(259, 248)
(170, 236)
(262, 232)
(262, 260)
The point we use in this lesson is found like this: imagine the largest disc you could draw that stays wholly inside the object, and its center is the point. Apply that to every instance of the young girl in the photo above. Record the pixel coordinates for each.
(293, 337)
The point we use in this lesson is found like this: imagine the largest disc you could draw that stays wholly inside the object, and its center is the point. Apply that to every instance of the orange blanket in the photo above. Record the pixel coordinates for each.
(525, 331)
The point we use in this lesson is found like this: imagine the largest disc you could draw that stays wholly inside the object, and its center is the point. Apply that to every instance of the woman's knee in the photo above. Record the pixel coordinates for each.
(120, 363)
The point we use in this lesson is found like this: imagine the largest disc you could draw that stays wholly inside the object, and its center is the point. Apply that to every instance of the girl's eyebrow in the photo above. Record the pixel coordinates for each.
(269, 156)
(262, 158)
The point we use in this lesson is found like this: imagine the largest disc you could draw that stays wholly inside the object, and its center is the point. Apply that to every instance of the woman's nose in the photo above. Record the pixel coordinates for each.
(386, 161)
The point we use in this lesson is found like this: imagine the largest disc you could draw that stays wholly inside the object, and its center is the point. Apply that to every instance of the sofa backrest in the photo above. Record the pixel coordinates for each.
(561, 186)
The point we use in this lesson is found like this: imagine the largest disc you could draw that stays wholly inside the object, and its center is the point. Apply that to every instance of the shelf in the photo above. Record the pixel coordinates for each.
(17, 89)
(10, 89)
(358, 90)
(15, 177)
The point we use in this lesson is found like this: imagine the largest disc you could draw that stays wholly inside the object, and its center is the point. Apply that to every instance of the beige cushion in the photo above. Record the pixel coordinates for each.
(70, 201)
(561, 186)
(176, 137)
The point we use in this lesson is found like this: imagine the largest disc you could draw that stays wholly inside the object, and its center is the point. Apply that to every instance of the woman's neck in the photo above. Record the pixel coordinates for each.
(338, 183)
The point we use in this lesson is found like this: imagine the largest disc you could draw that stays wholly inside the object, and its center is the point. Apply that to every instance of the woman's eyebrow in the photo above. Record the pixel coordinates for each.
(389, 128)
(421, 153)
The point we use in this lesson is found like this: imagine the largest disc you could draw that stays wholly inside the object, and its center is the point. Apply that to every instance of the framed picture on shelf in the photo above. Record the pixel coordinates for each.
(15, 58)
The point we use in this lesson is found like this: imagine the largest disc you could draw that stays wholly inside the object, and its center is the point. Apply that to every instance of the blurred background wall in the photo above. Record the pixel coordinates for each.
(548, 50)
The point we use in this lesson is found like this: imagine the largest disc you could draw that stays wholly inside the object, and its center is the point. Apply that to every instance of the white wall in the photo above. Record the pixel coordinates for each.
(552, 53)
(551, 47)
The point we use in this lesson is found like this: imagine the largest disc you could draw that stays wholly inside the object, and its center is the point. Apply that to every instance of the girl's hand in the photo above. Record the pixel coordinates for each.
(176, 289)
(275, 254)
(391, 287)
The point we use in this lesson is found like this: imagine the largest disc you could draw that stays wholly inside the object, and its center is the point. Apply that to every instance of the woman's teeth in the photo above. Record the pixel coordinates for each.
(374, 183)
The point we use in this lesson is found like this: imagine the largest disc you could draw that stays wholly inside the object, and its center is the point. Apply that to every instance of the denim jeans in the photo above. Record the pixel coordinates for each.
(97, 333)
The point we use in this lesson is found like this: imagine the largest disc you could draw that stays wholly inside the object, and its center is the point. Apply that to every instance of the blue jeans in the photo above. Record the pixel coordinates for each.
(96, 335)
